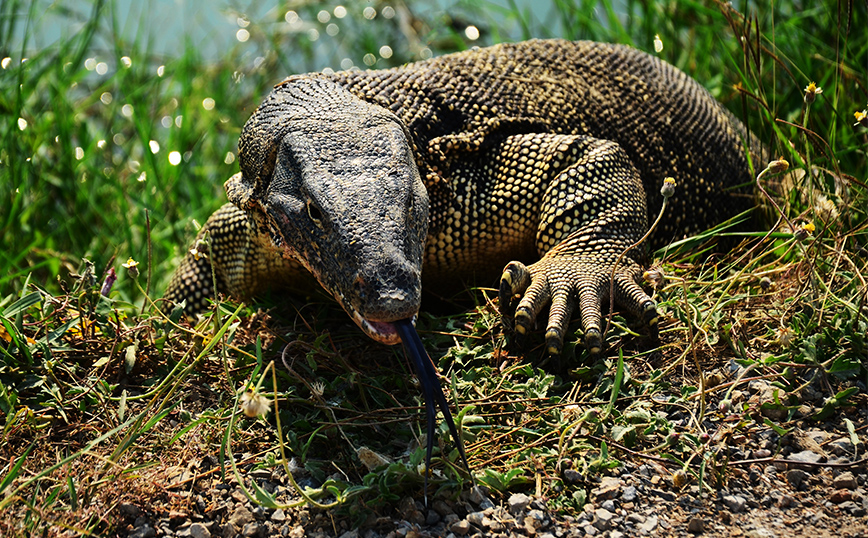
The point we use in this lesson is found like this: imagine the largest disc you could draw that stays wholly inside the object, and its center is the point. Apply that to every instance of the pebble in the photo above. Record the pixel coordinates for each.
(197, 530)
(432, 518)
(735, 503)
(608, 488)
(853, 508)
(129, 509)
(840, 495)
(841, 447)
(786, 501)
(144, 531)
(461, 527)
(796, 477)
(603, 518)
(696, 525)
(649, 525)
(759, 532)
(629, 494)
(845, 480)
(805, 456)
(475, 518)
(518, 502)
(241, 516)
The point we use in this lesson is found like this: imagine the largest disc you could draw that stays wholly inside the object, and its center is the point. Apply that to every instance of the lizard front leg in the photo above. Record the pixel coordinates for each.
(237, 258)
(593, 209)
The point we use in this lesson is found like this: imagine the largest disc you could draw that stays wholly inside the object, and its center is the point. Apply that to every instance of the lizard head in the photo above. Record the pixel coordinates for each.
(333, 181)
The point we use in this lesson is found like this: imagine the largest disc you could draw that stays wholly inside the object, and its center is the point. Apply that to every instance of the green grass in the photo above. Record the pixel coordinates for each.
(102, 396)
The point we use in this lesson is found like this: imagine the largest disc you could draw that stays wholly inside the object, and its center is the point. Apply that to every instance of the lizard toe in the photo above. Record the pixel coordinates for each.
(591, 298)
(594, 341)
(630, 295)
(535, 298)
(514, 281)
(559, 318)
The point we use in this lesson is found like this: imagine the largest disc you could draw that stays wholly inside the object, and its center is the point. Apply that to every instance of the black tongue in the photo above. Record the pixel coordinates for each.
(432, 391)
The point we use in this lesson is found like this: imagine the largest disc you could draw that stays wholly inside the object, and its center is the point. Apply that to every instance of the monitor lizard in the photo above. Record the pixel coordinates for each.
(536, 162)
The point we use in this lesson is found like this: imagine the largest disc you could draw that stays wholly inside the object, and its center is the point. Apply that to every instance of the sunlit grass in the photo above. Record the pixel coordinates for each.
(112, 151)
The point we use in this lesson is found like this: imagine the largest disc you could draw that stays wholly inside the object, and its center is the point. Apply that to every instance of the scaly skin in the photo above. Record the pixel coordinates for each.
(544, 157)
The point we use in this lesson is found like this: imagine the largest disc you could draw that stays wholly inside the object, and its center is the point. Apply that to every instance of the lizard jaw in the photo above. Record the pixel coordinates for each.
(384, 332)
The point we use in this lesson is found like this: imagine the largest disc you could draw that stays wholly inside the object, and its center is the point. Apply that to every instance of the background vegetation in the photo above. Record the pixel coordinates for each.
(113, 148)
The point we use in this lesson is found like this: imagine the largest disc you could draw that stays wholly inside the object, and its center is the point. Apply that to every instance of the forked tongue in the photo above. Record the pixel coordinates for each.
(433, 393)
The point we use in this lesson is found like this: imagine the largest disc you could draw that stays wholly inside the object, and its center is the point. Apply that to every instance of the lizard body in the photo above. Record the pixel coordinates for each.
(546, 152)
(543, 156)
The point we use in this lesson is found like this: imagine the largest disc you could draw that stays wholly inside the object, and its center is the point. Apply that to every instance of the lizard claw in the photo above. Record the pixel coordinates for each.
(564, 284)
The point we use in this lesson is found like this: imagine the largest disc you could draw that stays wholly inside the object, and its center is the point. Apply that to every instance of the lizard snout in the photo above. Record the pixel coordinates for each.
(387, 291)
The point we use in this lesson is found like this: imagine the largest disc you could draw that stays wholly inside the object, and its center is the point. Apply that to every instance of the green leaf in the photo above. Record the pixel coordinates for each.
(21, 304)
(263, 497)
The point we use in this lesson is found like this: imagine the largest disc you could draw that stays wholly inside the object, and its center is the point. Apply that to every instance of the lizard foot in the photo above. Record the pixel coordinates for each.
(567, 282)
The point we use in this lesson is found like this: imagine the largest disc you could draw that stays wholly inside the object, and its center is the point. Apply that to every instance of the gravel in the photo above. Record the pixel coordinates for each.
(758, 499)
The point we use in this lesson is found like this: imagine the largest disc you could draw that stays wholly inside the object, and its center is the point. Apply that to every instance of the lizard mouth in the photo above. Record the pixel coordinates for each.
(384, 332)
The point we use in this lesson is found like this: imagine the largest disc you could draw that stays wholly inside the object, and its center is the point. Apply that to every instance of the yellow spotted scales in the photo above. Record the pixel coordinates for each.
(544, 157)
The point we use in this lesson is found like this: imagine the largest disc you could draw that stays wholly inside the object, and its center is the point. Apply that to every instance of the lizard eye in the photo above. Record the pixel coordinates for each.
(314, 213)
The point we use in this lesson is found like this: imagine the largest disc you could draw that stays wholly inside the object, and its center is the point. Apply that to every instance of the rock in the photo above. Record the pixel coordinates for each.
(442, 508)
(572, 477)
(475, 518)
(841, 447)
(636, 518)
(128, 509)
(353, 534)
(603, 518)
(840, 495)
(145, 531)
(696, 525)
(759, 532)
(806, 457)
(517, 503)
(608, 488)
(786, 501)
(432, 518)
(461, 527)
(629, 494)
(845, 480)
(250, 529)
(478, 496)
(240, 517)
(852, 508)
(735, 503)
(796, 477)
(197, 530)
(278, 515)
(665, 495)
(493, 525)
(649, 525)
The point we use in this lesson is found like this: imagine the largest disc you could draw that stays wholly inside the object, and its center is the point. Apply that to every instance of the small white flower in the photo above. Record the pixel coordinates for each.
(826, 209)
(254, 404)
